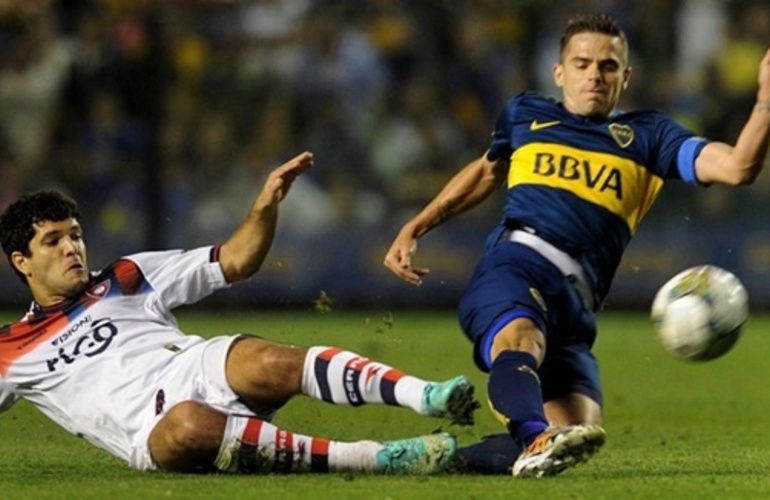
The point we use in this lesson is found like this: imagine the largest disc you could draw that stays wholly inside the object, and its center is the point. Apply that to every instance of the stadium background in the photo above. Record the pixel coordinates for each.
(162, 117)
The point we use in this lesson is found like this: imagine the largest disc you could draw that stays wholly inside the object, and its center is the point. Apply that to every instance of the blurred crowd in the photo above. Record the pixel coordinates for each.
(162, 116)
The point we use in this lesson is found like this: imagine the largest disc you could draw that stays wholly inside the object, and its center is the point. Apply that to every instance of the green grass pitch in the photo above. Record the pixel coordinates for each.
(675, 429)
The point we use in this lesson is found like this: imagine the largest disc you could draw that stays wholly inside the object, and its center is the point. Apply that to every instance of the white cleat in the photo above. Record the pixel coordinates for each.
(559, 448)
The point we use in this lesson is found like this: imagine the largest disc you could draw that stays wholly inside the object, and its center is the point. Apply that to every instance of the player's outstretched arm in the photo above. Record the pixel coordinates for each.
(742, 163)
(469, 187)
(243, 253)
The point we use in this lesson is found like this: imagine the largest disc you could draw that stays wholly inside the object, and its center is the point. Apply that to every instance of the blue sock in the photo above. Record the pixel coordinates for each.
(494, 454)
(514, 391)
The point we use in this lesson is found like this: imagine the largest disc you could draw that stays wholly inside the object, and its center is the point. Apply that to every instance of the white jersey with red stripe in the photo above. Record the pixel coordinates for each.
(91, 364)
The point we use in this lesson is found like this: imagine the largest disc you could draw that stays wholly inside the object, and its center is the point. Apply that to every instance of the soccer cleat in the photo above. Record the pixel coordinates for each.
(557, 449)
(421, 455)
(451, 399)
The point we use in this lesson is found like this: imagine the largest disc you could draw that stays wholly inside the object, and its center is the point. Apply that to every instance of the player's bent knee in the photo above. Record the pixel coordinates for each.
(521, 334)
(184, 421)
(187, 437)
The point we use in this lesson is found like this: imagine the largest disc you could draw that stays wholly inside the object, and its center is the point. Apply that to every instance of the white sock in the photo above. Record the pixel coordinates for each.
(345, 378)
(250, 445)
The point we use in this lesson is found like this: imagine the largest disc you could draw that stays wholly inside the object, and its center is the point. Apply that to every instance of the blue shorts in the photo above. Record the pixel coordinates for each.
(511, 281)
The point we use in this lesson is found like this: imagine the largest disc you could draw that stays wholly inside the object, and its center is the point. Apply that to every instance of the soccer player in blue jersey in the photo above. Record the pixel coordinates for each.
(580, 176)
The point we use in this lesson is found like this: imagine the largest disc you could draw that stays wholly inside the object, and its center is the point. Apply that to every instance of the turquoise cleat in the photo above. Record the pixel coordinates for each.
(421, 455)
(452, 399)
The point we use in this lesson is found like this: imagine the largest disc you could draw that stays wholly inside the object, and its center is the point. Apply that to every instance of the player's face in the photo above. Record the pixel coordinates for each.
(55, 268)
(592, 73)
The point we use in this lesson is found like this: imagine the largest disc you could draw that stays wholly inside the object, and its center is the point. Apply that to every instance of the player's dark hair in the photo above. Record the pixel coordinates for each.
(591, 23)
(17, 222)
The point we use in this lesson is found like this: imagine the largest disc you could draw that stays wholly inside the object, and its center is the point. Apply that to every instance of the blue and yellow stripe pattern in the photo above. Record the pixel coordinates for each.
(583, 183)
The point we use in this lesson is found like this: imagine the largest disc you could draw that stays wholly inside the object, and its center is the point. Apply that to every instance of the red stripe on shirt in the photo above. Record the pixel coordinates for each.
(23, 337)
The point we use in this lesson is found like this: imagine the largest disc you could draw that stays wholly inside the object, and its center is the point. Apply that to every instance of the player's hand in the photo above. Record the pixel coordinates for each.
(280, 180)
(399, 260)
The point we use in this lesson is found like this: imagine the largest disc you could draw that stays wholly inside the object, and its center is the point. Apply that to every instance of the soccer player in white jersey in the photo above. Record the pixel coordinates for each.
(101, 354)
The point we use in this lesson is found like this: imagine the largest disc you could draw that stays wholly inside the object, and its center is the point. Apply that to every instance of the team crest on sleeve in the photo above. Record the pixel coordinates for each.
(623, 134)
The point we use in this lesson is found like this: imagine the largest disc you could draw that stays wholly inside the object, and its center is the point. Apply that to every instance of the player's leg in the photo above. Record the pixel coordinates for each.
(570, 384)
(493, 454)
(512, 296)
(193, 437)
(572, 392)
(568, 435)
(573, 409)
(570, 377)
(343, 377)
(515, 395)
(512, 352)
(266, 374)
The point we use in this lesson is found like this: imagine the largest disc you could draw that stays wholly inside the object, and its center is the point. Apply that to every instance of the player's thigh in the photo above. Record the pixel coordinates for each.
(195, 375)
(264, 373)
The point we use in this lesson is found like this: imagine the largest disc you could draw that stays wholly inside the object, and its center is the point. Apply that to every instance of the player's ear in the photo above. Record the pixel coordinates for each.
(558, 75)
(20, 262)
(627, 76)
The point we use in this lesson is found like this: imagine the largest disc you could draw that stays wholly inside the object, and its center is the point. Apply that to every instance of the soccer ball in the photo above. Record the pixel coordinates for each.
(699, 313)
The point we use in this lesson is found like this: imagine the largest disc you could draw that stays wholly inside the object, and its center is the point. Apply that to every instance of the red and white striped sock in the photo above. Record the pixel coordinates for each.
(345, 378)
(251, 445)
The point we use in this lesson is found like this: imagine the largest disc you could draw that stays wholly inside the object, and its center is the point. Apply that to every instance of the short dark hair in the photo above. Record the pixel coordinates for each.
(591, 23)
(17, 222)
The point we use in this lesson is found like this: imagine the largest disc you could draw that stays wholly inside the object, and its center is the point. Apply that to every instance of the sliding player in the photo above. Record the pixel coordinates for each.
(101, 354)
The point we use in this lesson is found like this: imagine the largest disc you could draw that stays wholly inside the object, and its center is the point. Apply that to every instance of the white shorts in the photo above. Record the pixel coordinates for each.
(195, 374)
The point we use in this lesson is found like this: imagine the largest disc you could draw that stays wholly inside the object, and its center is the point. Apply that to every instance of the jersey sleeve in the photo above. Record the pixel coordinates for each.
(500, 146)
(688, 153)
(678, 150)
(182, 276)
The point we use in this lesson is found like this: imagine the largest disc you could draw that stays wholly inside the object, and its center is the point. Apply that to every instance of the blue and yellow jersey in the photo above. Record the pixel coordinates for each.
(584, 184)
